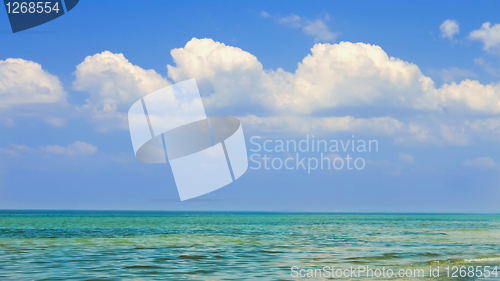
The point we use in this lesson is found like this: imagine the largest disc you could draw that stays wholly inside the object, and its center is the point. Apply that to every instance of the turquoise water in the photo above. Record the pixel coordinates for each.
(85, 245)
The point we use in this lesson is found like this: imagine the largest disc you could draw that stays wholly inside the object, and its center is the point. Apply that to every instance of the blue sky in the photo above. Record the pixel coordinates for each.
(282, 69)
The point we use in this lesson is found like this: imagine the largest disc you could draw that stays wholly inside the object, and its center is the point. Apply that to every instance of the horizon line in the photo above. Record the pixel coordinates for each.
(262, 211)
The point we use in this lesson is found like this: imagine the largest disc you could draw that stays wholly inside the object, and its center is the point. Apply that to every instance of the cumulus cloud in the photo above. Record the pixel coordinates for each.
(230, 75)
(489, 35)
(480, 162)
(333, 75)
(449, 28)
(113, 84)
(317, 28)
(26, 90)
(471, 95)
(353, 74)
(24, 82)
(343, 75)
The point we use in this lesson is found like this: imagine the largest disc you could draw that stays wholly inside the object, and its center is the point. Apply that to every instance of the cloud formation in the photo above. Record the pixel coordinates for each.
(23, 82)
(317, 28)
(489, 35)
(480, 162)
(332, 76)
(76, 148)
(449, 28)
(113, 84)
(28, 91)
(343, 75)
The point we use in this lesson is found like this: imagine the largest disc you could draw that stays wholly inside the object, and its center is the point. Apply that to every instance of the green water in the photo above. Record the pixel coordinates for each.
(74, 245)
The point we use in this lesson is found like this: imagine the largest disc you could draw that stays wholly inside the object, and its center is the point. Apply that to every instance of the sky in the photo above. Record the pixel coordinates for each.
(421, 79)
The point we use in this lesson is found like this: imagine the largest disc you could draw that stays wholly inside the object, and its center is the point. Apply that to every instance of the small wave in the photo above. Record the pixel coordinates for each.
(204, 271)
(162, 259)
(192, 257)
(271, 252)
(473, 260)
(483, 259)
(428, 254)
(382, 257)
(143, 267)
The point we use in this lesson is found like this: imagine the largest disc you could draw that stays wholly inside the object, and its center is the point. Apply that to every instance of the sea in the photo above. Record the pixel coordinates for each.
(147, 245)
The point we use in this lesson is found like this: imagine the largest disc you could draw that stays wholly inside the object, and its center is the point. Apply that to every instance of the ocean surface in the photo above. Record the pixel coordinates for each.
(115, 245)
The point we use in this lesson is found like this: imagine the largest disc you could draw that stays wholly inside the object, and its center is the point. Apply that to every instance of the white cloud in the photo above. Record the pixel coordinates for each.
(471, 95)
(74, 149)
(205, 58)
(407, 134)
(234, 76)
(489, 35)
(333, 75)
(406, 158)
(454, 135)
(265, 14)
(113, 84)
(292, 20)
(449, 28)
(317, 28)
(480, 162)
(26, 90)
(306, 125)
(24, 82)
(485, 128)
(15, 149)
(56, 122)
(344, 74)
(353, 74)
